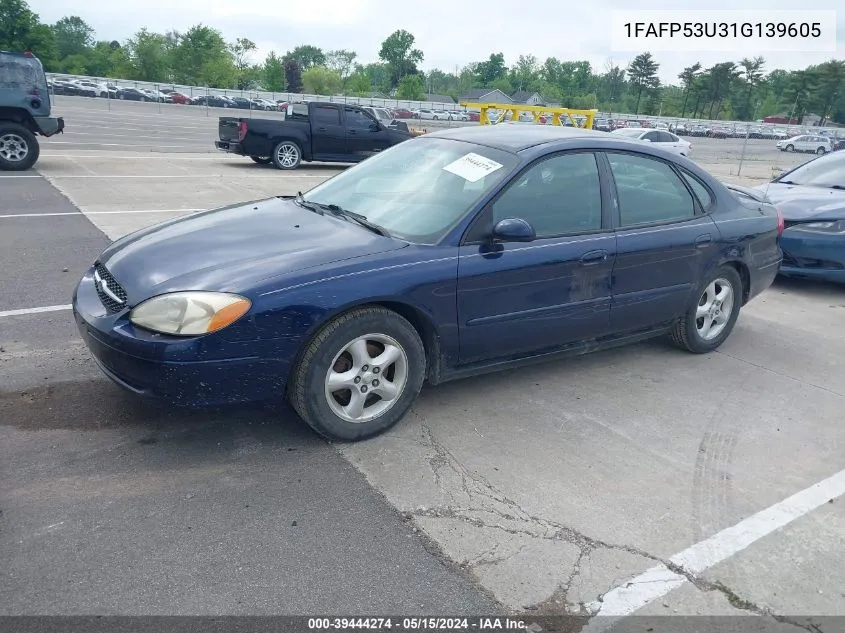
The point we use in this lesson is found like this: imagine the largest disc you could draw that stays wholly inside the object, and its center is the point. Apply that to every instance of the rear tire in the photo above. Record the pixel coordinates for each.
(287, 155)
(19, 149)
(262, 160)
(710, 319)
(341, 367)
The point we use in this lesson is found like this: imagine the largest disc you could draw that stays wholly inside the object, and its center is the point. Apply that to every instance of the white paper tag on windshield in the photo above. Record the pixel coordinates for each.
(472, 167)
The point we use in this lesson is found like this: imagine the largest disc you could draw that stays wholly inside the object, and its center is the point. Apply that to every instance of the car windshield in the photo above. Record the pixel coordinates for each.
(420, 189)
(827, 171)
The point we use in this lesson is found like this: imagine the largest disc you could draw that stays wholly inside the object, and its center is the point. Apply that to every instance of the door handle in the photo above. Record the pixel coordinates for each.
(703, 240)
(351, 131)
(594, 257)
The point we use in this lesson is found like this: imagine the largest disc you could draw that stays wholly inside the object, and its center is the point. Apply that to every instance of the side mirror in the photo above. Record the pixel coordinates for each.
(514, 230)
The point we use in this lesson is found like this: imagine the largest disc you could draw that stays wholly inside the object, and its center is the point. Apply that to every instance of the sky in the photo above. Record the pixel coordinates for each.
(450, 35)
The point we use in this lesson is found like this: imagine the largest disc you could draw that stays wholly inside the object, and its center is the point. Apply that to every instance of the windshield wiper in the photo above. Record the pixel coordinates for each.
(307, 204)
(356, 217)
(786, 182)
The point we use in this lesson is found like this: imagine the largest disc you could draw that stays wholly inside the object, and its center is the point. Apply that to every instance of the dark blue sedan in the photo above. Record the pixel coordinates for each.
(811, 198)
(456, 253)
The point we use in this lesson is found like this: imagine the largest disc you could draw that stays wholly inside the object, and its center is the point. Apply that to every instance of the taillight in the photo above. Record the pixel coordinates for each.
(241, 130)
(780, 223)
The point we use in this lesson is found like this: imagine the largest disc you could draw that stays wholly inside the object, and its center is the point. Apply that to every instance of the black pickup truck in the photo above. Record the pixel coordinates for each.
(315, 131)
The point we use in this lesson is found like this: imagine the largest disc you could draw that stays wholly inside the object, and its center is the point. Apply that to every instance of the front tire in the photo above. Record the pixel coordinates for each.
(790, 148)
(710, 319)
(287, 155)
(19, 149)
(820, 151)
(359, 375)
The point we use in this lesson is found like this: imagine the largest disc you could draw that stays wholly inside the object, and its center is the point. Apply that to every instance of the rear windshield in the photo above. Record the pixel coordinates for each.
(21, 73)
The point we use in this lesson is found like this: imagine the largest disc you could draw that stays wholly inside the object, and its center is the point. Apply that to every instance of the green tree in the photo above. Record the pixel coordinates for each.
(149, 56)
(319, 80)
(378, 74)
(830, 79)
(242, 50)
(721, 77)
(107, 59)
(398, 51)
(688, 76)
(492, 69)
(202, 58)
(410, 88)
(642, 73)
(358, 84)
(307, 56)
(525, 72)
(74, 36)
(752, 71)
(341, 62)
(22, 30)
(274, 73)
(293, 75)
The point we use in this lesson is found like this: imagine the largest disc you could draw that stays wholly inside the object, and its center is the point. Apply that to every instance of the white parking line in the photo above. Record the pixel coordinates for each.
(86, 213)
(8, 313)
(659, 580)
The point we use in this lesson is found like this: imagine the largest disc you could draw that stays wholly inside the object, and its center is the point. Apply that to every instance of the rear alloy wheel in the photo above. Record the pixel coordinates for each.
(710, 320)
(820, 150)
(262, 160)
(19, 148)
(287, 155)
(359, 375)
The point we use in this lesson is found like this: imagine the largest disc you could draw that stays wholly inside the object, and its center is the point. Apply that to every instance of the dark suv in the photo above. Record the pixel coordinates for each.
(24, 110)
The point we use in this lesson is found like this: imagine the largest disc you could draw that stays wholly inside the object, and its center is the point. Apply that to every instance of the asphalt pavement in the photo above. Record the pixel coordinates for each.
(566, 487)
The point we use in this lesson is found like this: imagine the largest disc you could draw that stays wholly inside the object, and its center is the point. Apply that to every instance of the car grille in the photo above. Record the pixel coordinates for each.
(116, 289)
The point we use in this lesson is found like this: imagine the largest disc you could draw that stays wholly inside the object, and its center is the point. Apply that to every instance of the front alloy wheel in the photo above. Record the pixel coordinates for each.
(366, 378)
(359, 375)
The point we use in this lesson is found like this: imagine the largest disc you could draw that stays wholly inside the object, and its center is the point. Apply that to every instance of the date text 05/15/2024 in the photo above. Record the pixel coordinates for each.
(417, 624)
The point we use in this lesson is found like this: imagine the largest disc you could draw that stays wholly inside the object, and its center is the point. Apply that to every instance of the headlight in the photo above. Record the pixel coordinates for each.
(189, 313)
(836, 226)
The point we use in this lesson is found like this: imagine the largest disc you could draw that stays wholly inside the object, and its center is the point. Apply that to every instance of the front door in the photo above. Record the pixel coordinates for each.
(328, 134)
(515, 299)
(664, 240)
(364, 136)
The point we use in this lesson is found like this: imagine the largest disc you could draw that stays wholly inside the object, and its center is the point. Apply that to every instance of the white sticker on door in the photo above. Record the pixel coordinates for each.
(472, 167)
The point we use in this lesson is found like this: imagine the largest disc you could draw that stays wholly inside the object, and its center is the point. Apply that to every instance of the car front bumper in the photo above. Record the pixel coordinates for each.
(193, 372)
(812, 254)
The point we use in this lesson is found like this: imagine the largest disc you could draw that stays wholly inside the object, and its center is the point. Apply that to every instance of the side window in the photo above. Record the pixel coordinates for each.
(326, 115)
(701, 192)
(665, 137)
(557, 195)
(648, 190)
(357, 119)
(651, 136)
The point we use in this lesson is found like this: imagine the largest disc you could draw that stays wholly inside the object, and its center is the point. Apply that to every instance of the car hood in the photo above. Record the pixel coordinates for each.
(799, 203)
(232, 248)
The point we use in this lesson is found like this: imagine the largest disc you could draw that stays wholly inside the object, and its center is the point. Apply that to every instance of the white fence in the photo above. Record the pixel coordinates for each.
(195, 91)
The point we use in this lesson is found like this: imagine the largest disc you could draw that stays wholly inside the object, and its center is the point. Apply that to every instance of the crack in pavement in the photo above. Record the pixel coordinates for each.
(494, 502)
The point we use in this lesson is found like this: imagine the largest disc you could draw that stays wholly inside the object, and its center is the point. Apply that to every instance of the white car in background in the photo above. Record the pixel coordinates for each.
(457, 115)
(815, 143)
(662, 138)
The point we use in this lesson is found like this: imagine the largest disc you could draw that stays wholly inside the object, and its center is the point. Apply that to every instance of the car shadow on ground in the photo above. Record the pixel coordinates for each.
(249, 164)
(809, 287)
(98, 405)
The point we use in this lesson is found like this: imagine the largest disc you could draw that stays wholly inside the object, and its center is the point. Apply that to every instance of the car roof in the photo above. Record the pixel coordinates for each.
(514, 137)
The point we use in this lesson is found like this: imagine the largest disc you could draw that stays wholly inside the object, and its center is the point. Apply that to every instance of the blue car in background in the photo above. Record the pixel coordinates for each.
(811, 198)
(460, 252)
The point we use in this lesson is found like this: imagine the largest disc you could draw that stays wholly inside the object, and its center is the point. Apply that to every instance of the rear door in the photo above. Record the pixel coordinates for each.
(664, 240)
(328, 134)
(516, 299)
